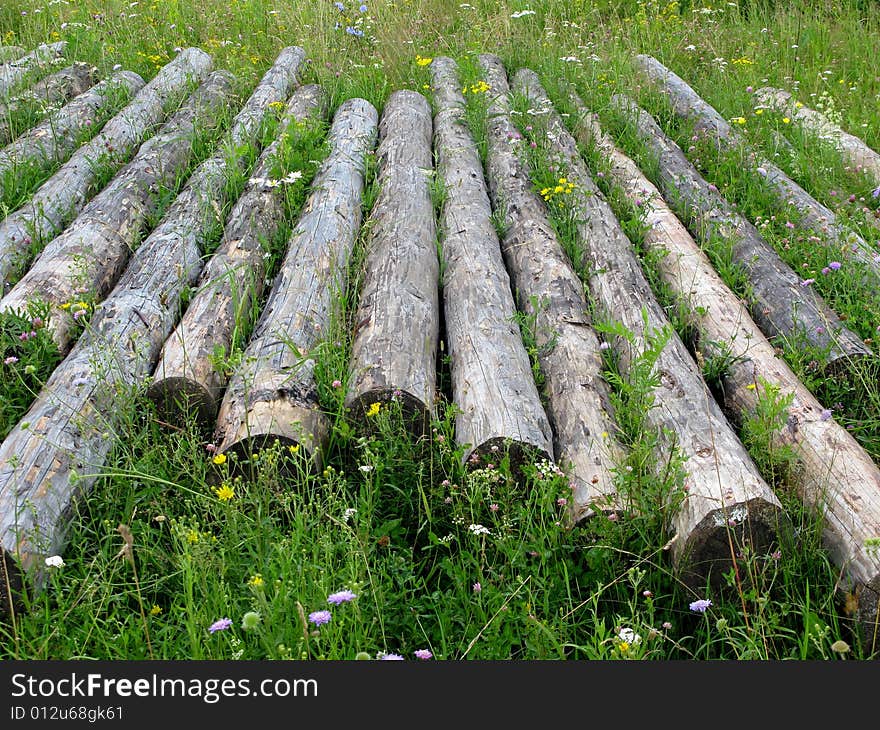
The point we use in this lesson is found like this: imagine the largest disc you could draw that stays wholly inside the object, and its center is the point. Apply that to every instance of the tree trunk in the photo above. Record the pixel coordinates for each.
(395, 347)
(833, 474)
(186, 380)
(549, 291)
(52, 141)
(492, 384)
(63, 195)
(813, 215)
(272, 395)
(12, 73)
(91, 254)
(55, 89)
(57, 457)
(780, 303)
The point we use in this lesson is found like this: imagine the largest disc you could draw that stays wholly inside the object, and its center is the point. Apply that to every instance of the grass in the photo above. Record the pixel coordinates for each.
(464, 561)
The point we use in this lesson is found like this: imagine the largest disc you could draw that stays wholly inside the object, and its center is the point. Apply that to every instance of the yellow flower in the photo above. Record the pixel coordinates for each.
(219, 459)
(155, 610)
(423, 61)
(750, 386)
(373, 410)
(293, 448)
(66, 305)
(224, 492)
(256, 580)
(758, 112)
(624, 647)
(192, 536)
(797, 105)
(738, 120)
(785, 120)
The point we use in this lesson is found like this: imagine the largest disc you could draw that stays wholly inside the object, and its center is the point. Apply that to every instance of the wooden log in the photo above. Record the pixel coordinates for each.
(728, 503)
(186, 380)
(15, 72)
(46, 94)
(548, 290)
(497, 401)
(91, 254)
(833, 475)
(75, 418)
(272, 395)
(11, 53)
(394, 350)
(780, 302)
(813, 216)
(52, 141)
(63, 195)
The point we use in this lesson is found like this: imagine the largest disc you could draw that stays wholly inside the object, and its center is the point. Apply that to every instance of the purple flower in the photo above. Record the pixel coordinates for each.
(423, 654)
(834, 265)
(477, 587)
(220, 624)
(363, 8)
(390, 657)
(876, 192)
(807, 282)
(341, 597)
(340, 7)
(11, 360)
(354, 31)
(825, 414)
(701, 605)
(320, 618)
(789, 224)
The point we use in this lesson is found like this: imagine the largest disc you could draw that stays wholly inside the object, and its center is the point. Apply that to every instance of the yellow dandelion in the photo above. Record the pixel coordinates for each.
(373, 410)
(66, 305)
(219, 459)
(797, 105)
(758, 112)
(785, 120)
(224, 492)
(155, 610)
(558, 189)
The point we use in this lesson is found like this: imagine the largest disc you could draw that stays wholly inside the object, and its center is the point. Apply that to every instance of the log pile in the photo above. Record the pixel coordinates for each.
(18, 71)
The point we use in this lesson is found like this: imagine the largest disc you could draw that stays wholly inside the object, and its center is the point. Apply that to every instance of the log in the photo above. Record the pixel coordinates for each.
(91, 254)
(813, 216)
(53, 90)
(498, 404)
(12, 73)
(727, 502)
(833, 475)
(778, 301)
(548, 290)
(186, 380)
(51, 142)
(63, 195)
(10, 53)
(272, 395)
(394, 349)
(73, 422)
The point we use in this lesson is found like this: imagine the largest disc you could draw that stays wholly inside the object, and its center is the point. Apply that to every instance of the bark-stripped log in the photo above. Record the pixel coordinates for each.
(10, 53)
(187, 381)
(53, 140)
(728, 503)
(63, 195)
(398, 319)
(91, 254)
(497, 401)
(833, 474)
(780, 304)
(813, 216)
(272, 395)
(73, 422)
(46, 94)
(548, 289)
(15, 72)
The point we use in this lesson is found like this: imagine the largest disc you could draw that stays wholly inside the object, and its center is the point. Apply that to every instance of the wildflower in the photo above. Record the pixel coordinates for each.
(362, 656)
(340, 7)
(341, 597)
(365, 468)
(789, 224)
(155, 610)
(354, 31)
(54, 561)
(785, 120)
(390, 657)
(776, 555)
(738, 120)
(629, 636)
(807, 282)
(604, 345)
(373, 410)
(479, 529)
(761, 171)
(348, 514)
(362, 9)
(840, 647)
(11, 360)
(292, 177)
(492, 507)
(423, 654)
(701, 605)
(522, 14)
(293, 448)
(825, 414)
(220, 625)
(319, 618)
(192, 537)
(834, 265)
(561, 502)
(250, 620)
(336, 384)
(224, 492)
(875, 193)
(421, 61)
(666, 625)
(219, 459)
(477, 587)
(256, 580)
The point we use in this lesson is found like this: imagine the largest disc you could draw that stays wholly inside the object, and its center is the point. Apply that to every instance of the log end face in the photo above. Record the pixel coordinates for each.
(13, 587)
(495, 449)
(868, 617)
(415, 413)
(178, 399)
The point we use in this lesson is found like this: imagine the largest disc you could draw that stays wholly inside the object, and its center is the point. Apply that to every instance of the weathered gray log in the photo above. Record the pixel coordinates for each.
(492, 384)
(780, 302)
(75, 416)
(398, 318)
(187, 380)
(833, 475)
(813, 216)
(10, 53)
(728, 502)
(15, 72)
(549, 291)
(53, 90)
(53, 140)
(90, 255)
(272, 395)
(63, 195)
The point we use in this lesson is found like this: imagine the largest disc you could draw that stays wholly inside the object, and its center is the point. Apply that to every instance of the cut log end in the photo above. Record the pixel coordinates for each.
(177, 399)
(494, 450)
(288, 458)
(13, 587)
(868, 617)
(415, 414)
(853, 368)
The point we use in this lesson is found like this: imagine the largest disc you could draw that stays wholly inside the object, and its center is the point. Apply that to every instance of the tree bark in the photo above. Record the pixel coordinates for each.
(780, 304)
(813, 215)
(549, 291)
(186, 380)
(53, 90)
(272, 395)
(492, 383)
(52, 141)
(395, 347)
(50, 463)
(12, 73)
(91, 254)
(63, 195)
(833, 474)
(11, 53)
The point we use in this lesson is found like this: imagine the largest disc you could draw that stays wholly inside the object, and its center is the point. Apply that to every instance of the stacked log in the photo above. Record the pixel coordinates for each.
(272, 396)
(52, 90)
(10, 53)
(394, 350)
(72, 425)
(813, 216)
(52, 141)
(63, 195)
(91, 254)
(833, 475)
(780, 302)
(498, 405)
(549, 291)
(187, 380)
(15, 72)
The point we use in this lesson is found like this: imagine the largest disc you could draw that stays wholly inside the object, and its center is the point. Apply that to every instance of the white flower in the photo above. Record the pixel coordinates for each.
(522, 13)
(629, 636)
(54, 561)
(348, 514)
(292, 177)
(366, 468)
(479, 530)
